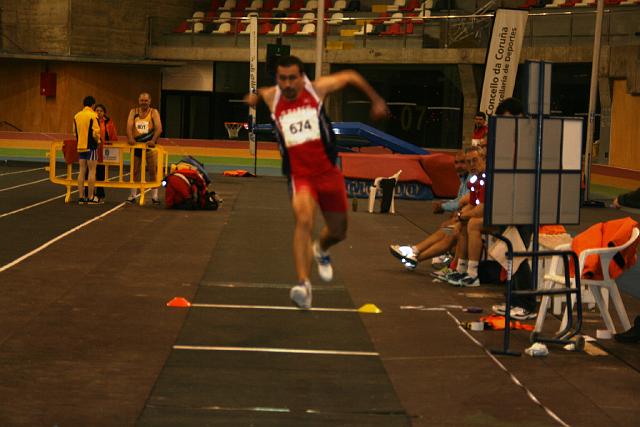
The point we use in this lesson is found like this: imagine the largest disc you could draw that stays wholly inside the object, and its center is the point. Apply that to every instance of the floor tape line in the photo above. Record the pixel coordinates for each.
(275, 350)
(514, 379)
(274, 307)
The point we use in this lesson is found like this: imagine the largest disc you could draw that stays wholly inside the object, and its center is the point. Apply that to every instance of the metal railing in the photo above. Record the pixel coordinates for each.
(117, 154)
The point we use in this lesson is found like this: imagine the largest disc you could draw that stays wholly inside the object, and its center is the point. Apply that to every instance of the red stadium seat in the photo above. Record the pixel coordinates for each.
(296, 5)
(267, 5)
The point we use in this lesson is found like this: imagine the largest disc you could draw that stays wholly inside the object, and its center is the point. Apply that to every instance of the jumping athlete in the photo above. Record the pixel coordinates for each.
(307, 145)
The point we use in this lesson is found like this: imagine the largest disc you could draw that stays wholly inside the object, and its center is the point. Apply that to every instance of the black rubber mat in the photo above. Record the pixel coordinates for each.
(252, 265)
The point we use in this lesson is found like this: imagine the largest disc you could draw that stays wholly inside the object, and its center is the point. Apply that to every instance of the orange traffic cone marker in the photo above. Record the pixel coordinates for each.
(179, 302)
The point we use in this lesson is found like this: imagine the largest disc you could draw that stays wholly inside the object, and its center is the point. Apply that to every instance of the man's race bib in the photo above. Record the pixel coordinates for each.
(299, 126)
(142, 126)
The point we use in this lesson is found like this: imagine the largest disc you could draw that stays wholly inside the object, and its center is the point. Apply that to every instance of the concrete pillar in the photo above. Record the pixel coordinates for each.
(470, 103)
(604, 90)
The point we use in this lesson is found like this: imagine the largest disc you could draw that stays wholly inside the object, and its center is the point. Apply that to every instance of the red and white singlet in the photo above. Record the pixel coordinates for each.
(299, 124)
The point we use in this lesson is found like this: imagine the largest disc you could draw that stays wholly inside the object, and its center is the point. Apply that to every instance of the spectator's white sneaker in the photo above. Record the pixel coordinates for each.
(301, 295)
(499, 309)
(405, 254)
(517, 313)
(520, 313)
(325, 271)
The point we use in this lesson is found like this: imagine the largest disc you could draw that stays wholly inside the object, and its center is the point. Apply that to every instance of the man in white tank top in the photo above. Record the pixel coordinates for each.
(144, 125)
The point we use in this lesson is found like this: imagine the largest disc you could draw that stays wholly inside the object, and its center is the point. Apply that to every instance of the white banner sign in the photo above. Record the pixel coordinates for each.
(503, 57)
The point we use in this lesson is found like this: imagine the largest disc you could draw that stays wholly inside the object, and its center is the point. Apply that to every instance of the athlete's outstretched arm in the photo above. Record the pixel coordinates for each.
(265, 94)
(337, 81)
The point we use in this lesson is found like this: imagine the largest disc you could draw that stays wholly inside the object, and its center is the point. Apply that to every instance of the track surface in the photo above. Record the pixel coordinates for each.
(87, 338)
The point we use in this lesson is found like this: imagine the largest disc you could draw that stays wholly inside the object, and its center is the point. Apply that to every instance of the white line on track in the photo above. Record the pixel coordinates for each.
(274, 307)
(34, 205)
(43, 202)
(32, 182)
(253, 285)
(513, 378)
(275, 350)
(24, 171)
(61, 236)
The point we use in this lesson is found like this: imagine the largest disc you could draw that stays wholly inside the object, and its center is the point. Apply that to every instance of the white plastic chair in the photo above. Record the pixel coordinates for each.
(373, 191)
(338, 6)
(600, 289)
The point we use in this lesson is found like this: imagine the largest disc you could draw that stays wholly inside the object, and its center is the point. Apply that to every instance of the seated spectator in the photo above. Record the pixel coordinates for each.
(442, 240)
(469, 245)
(628, 200)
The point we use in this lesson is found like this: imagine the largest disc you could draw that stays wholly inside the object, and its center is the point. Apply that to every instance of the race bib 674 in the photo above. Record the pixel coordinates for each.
(299, 126)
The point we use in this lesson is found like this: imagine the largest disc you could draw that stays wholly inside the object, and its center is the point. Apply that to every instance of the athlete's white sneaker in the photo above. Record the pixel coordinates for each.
(301, 295)
(325, 271)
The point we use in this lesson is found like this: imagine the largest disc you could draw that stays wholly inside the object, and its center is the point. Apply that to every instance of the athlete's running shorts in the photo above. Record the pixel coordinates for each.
(328, 189)
(90, 154)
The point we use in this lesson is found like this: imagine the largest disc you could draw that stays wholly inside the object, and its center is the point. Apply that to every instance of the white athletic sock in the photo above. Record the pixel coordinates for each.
(462, 266)
(154, 193)
(472, 268)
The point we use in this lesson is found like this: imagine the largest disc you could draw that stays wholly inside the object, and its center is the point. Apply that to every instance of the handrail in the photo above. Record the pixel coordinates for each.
(115, 159)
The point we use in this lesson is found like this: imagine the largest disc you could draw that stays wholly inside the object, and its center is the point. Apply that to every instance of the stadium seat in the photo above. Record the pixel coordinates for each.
(336, 19)
(307, 30)
(397, 4)
(311, 5)
(338, 6)
(264, 28)
(224, 28)
(360, 32)
(394, 19)
(394, 29)
(215, 5)
(307, 18)
(254, 6)
(224, 17)
(268, 5)
(586, 3)
(297, 5)
(282, 5)
(410, 6)
(426, 5)
(241, 5)
(228, 5)
(278, 30)
(293, 28)
(555, 3)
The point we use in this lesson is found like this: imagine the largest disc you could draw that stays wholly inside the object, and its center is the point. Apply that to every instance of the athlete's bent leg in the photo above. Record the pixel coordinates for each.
(334, 230)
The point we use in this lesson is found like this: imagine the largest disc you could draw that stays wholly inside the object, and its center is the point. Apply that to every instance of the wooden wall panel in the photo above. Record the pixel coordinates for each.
(624, 150)
(115, 86)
